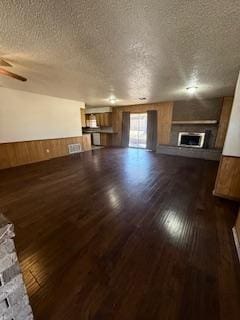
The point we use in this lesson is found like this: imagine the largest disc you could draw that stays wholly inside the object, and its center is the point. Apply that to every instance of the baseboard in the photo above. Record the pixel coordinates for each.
(216, 194)
(237, 242)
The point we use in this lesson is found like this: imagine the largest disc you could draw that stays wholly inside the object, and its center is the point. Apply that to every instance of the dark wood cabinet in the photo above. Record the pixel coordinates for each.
(104, 119)
(106, 139)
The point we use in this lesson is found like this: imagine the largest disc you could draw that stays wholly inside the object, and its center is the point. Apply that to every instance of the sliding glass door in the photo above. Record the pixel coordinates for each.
(138, 130)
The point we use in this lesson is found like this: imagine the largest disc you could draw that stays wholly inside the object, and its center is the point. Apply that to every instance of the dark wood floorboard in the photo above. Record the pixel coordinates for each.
(123, 234)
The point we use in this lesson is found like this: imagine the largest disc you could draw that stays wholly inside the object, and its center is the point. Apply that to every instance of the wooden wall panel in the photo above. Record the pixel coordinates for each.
(7, 156)
(164, 124)
(223, 122)
(164, 110)
(86, 142)
(117, 127)
(19, 153)
(228, 178)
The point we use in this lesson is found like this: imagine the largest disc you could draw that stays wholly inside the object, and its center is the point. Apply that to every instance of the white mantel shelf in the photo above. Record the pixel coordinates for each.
(196, 122)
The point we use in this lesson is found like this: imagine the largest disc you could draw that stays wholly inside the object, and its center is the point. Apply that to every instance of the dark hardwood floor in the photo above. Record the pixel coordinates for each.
(123, 234)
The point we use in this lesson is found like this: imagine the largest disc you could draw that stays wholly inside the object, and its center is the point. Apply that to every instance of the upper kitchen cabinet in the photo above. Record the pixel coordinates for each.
(104, 119)
(83, 117)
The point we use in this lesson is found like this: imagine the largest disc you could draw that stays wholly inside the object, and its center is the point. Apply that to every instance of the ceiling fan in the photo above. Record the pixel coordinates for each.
(4, 72)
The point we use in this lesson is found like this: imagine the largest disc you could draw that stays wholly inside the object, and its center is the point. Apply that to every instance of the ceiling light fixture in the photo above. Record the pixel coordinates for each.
(192, 90)
(112, 100)
(142, 98)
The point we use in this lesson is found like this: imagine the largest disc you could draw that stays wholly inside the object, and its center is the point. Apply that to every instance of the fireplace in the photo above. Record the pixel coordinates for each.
(191, 139)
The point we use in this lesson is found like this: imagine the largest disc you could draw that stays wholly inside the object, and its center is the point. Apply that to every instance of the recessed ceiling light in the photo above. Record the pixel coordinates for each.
(192, 90)
(142, 98)
(112, 100)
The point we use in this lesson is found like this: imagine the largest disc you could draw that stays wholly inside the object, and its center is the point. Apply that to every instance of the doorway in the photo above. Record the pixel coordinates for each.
(138, 130)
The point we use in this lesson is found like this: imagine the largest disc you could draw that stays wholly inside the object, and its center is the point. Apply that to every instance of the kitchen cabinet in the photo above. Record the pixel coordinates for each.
(83, 117)
(104, 119)
(106, 139)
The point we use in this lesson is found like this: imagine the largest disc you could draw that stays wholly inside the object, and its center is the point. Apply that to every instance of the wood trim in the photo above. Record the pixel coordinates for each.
(25, 152)
(227, 183)
(224, 196)
(223, 122)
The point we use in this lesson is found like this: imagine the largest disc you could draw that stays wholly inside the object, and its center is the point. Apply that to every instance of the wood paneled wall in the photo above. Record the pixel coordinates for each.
(19, 153)
(228, 178)
(223, 122)
(164, 110)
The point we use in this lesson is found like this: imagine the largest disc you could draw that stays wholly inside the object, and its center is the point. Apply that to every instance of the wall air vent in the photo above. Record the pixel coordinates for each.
(74, 148)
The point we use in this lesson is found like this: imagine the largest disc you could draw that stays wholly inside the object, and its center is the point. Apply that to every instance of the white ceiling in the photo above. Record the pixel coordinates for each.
(90, 50)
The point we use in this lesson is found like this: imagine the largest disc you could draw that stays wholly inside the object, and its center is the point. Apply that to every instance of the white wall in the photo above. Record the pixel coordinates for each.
(232, 142)
(27, 116)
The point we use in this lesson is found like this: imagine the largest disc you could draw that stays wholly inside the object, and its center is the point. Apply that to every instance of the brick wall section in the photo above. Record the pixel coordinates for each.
(14, 302)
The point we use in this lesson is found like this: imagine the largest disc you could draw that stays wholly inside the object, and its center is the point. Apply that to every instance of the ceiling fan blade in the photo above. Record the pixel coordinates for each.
(4, 63)
(12, 75)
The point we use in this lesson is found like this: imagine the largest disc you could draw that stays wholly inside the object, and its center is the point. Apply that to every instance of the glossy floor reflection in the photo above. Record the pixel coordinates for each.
(123, 234)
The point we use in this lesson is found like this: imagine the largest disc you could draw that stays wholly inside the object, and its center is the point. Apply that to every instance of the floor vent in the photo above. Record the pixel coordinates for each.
(74, 148)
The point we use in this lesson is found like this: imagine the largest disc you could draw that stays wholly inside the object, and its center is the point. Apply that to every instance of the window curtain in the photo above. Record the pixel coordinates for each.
(125, 129)
(152, 130)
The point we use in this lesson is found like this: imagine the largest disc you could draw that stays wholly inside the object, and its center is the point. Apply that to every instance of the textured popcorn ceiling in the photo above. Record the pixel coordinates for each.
(91, 50)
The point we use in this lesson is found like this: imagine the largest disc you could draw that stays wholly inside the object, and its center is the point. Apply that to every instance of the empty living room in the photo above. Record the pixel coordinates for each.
(120, 160)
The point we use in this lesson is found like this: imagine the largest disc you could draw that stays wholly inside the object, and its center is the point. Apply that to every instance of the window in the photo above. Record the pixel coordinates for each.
(138, 130)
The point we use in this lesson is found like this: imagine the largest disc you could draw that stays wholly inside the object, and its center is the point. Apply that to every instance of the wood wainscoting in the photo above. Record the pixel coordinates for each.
(19, 153)
(223, 122)
(228, 178)
(164, 111)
